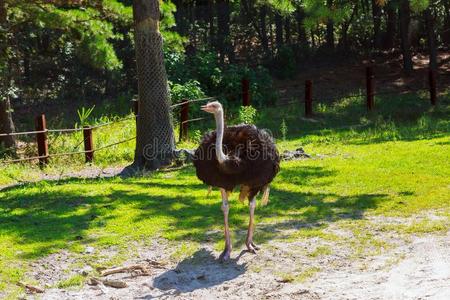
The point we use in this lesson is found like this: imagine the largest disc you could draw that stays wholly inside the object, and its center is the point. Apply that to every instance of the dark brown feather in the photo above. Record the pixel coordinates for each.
(253, 159)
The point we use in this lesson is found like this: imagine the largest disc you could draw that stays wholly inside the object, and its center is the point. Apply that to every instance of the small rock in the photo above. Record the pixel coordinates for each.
(86, 270)
(89, 250)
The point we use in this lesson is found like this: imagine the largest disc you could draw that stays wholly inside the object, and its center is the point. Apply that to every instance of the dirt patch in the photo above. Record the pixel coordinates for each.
(317, 267)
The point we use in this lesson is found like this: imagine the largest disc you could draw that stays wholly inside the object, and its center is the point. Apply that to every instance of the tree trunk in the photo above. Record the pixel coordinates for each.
(446, 33)
(405, 18)
(155, 143)
(300, 16)
(278, 30)
(431, 38)
(330, 27)
(391, 24)
(287, 29)
(6, 121)
(180, 18)
(7, 126)
(263, 28)
(211, 23)
(376, 15)
(223, 27)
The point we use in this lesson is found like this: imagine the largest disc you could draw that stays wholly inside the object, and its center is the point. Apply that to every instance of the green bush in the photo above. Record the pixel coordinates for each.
(247, 114)
(215, 79)
(189, 90)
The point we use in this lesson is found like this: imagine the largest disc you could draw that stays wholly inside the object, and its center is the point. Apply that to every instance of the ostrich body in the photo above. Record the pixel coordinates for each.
(241, 155)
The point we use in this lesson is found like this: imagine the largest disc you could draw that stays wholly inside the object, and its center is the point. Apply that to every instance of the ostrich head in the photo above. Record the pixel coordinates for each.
(212, 107)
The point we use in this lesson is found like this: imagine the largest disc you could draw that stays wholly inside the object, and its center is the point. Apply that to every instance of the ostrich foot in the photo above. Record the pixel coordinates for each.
(225, 255)
(251, 247)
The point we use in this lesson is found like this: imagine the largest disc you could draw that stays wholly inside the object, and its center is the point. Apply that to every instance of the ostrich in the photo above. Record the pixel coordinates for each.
(241, 155)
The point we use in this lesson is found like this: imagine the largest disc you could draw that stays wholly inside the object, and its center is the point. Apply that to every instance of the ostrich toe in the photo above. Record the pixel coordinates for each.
(251, 247)
(225, 255)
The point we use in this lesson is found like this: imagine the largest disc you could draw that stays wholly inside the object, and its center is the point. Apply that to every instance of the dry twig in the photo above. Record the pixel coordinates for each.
(128, 269)
(31, 288)
(112, 283)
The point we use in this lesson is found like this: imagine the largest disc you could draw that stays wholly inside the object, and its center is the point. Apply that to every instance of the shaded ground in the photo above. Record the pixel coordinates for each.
(347, 77)
(405, 267)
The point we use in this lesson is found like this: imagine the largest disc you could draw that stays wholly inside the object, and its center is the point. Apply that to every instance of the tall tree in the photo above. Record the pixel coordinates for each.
(391, 25)
(376, 16)
(278, 29)
(6, 121)
(330, 26)
(405, 19)
(155, 142)
(263, 28)
(431, 38)
(446, 33)
(301, 31)
(223, 30)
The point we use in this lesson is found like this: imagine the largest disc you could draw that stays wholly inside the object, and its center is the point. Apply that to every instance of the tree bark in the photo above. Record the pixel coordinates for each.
(405, 18)
(330, 27)
(300, 16)
(446, 33)
(223, 30)
(155, 143)
(431, 38)
(391, 25)
(211, 23)
(6, 121)
(278, 30)
(287, 29)
(263, 28)
(376, 15)
(7, 125)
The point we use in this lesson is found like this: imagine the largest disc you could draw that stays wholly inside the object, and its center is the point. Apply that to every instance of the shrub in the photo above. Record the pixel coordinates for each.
(247, 114)
(189, 90)
(219, 80)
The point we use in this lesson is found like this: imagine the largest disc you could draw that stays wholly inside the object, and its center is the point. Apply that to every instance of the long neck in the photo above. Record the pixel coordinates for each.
(219, 138)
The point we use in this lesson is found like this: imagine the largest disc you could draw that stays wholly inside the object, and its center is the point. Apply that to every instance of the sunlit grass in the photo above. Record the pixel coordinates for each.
(388, 165)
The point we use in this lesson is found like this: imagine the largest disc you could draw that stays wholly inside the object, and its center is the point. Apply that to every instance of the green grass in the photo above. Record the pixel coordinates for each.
(74, 281)
(394, 162)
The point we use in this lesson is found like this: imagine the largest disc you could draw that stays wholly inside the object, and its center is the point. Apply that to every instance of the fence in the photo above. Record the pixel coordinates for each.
(42, 131)
(308, 98)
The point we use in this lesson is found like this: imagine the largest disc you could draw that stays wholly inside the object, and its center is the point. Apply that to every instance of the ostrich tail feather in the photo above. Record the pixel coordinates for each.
(265, 196)
(245, 190)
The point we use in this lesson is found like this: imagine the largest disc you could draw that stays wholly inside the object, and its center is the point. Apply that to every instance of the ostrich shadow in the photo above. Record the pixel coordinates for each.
(199, 271)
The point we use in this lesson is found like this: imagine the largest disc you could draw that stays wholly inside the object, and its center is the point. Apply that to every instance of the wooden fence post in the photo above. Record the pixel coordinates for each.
(41, 139)
(370, 88)
(245, 92)
(88, 144)
(308, 98)
(184, 116)
(432, 82)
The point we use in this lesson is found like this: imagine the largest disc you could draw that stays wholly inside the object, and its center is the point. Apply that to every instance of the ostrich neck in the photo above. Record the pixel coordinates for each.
(219, 138)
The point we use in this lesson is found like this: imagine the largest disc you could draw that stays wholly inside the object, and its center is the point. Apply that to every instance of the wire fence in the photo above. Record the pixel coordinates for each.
(307, 99)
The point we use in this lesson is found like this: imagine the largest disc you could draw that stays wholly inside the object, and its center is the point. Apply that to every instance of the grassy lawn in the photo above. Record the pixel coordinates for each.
(395, 162)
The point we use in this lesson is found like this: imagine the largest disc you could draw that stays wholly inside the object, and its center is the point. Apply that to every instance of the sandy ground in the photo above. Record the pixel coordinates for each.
(415, 267)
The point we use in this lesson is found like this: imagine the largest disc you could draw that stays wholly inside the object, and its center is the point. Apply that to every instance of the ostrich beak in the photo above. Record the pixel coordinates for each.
(205, 108)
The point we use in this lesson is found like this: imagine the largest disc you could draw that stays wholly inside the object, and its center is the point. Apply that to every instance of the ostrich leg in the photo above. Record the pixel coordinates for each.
(251, 228)
(225, 208)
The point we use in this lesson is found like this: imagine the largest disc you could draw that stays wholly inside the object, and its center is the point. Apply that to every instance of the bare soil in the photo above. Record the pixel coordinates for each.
(412, 267)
